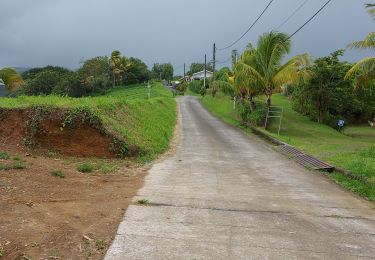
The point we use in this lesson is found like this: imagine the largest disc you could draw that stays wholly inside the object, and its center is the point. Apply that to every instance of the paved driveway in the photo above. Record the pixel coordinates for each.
(224, 195)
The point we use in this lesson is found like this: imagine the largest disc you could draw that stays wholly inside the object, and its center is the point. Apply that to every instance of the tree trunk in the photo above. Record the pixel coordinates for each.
(269, 103)
(251, 102)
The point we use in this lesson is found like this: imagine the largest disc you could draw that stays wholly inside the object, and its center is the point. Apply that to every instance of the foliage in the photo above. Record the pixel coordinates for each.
(4, 155)
(93, 76)
(85, 168)
(162, 71)
(58, 174)
(182, 87)
(197, 87)
(32, 73)
(45, 81)
(327, 97)
(137, 73)
(261, 67)
(364, 70)
(11, 78)
(197, 67)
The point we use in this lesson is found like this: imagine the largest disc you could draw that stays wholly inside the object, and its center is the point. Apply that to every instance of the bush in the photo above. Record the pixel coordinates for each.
(4, 155)
(182, 87)
(197, 87)
(258, 116)
(85, 168)
(58, 174)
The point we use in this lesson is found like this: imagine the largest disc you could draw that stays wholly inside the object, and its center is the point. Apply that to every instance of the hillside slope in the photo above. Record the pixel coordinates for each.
(122, 123)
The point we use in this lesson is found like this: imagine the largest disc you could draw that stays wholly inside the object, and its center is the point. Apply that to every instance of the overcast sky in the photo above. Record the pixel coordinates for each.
(62, 32)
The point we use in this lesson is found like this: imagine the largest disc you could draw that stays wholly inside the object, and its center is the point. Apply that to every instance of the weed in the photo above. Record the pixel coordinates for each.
(58, 174)
(17, 165)
(85, 167)
(4, 155)
(16, 158)
(1, 251)
(54, 253)
(143, 202)
(100, 244)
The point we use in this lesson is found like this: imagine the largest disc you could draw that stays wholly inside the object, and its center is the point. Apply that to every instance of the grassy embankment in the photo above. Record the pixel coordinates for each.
(354, 149)
(146, 123)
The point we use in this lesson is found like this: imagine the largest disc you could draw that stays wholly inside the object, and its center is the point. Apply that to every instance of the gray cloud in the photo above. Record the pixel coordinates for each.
(61, 32)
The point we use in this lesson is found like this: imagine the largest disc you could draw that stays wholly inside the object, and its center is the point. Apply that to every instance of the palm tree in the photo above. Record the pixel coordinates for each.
(364, 70)
(11, 78)
(263, 68)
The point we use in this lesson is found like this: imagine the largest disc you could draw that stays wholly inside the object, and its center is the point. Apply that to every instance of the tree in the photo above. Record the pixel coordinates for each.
(119, 66)
(138, 72)
(94, 74)
(327, 98)
(162, 71)
(234, 57)
(197, 67)
(263, 65)
(364, 70)
(11, 78)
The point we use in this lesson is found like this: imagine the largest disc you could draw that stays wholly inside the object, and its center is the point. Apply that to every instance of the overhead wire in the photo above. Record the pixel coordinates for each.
(293, 14)
(251, 27)
(311, 18)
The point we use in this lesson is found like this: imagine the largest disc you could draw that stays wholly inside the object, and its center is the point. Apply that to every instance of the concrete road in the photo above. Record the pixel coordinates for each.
(224, 195)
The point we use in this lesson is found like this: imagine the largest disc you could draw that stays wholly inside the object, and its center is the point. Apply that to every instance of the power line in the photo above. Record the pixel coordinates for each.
(311, 18)
(254, 23)
(293, 14)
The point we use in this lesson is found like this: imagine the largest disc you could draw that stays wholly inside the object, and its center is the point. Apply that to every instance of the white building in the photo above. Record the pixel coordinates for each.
(200, 75)
(3, 90)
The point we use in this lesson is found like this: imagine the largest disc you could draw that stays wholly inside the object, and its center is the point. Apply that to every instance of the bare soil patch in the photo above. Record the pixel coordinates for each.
(71, 217)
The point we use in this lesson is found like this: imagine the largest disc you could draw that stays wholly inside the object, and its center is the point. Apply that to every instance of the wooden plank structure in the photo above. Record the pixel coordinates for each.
(305, 159)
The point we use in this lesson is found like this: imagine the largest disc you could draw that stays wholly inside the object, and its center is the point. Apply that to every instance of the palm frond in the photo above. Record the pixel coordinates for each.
(294, 71)
(371, 9)
(363, 71)
(367, 43)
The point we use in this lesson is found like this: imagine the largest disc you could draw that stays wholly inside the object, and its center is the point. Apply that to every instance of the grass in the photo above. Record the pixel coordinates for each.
(4, 155)
(145, 123)
(353, 150)
(58, 174)
(85, 167)
(143, 202)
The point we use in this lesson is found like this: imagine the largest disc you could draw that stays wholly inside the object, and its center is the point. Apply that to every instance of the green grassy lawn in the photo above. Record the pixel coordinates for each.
(146, 123)
(354, 149)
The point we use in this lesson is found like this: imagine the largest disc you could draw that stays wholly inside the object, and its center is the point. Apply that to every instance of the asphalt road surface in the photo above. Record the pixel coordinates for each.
(225, 195)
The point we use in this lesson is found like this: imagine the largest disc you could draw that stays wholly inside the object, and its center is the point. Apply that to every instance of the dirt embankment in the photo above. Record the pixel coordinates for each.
(72, 132)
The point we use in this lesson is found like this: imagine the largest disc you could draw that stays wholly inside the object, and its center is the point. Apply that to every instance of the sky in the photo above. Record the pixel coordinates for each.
(64, 32)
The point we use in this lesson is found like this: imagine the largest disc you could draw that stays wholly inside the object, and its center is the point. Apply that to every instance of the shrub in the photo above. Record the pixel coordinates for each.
(58, 174)
(197, 86)
(182, 87)
(4, 155)
(85, 168)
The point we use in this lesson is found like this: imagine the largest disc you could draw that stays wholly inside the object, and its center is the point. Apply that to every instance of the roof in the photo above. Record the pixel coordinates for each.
(200, 72)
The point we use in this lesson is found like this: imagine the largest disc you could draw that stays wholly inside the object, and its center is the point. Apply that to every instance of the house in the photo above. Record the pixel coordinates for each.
(200, 75)
(3, 89)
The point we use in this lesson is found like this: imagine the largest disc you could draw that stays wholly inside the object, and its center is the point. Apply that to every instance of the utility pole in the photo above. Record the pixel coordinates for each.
(213, 73)
(184, 70)
(205, 71)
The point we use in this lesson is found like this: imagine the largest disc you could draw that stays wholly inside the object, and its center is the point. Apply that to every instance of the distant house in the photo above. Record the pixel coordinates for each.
(200, 75)
(3, 89)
